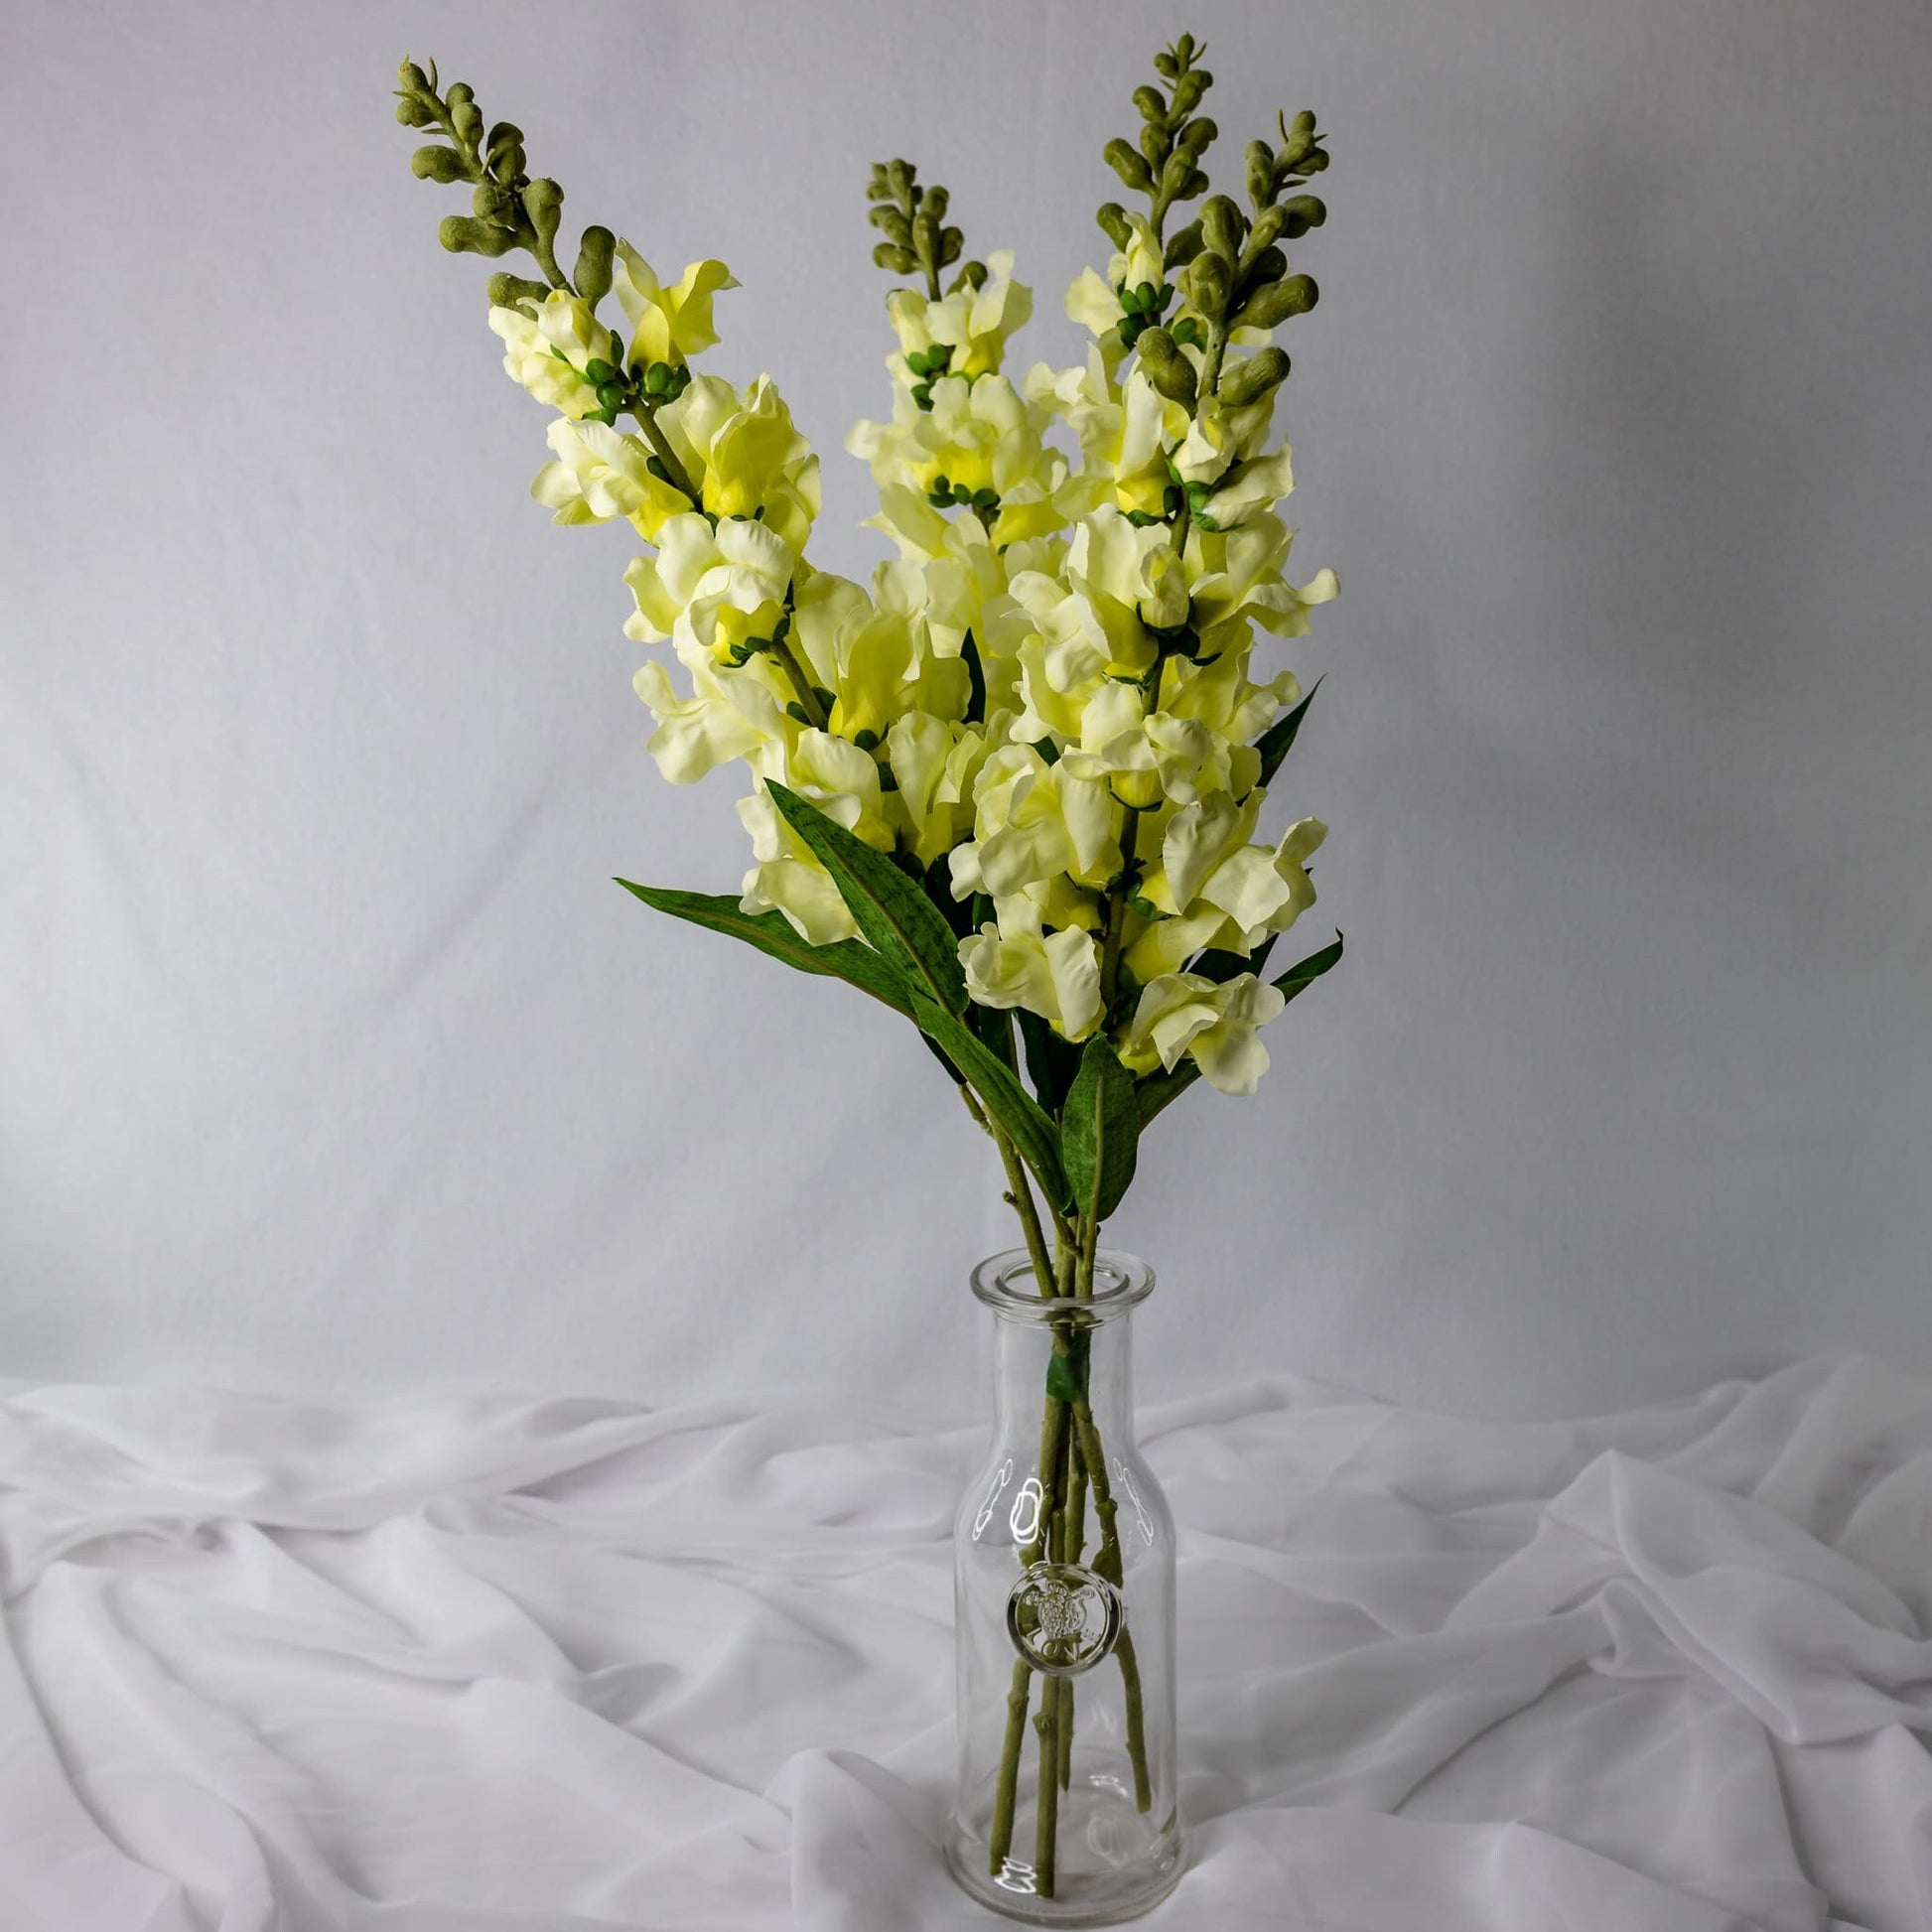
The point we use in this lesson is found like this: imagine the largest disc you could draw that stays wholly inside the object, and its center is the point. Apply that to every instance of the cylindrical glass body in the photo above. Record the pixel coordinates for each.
(1065, 1811)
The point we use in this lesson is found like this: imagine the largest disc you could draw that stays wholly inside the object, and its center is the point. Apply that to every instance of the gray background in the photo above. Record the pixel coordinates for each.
(333, 1062)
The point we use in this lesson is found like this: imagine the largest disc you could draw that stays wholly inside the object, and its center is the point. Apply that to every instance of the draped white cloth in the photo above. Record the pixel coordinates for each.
(467, 1664)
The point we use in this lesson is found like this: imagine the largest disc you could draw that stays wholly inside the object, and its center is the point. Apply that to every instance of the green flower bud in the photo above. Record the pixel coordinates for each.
(1154, 144)
(899, 261)
(1166, 368)
(593, 276)
(438, 163)
(1268, 266)
(1222, 228)
(934, 202)
(1252, 378)
(1182, 246)
(1113, 221)
(1303, 213)
(892, 223)
(543, 203)
(898, 179)
(504, 137)
(1129, 165)
(1261, 173)
(1197, 138)
(1148, 101)
(508, 291)
(598, 369)
(1186, 332)
(1297, 141)
(972, 275)
(493, 201)
(414, 113)
(1209, 280)
(1269, 306)
(657, 379)
(413, 78)
(610, 395)
(463, 235)
(951, 243)
(866, 739)
(1267, 226)
(1188, 90)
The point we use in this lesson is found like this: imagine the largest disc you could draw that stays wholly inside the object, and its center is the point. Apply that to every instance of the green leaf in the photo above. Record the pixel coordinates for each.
(1099, 1129)
(1020, 1116)
(1157, 1090)
(1066, 1379)
(1274, 742)
(892, 912)
(1222, 966)
(773, 934)
(1052, 1062)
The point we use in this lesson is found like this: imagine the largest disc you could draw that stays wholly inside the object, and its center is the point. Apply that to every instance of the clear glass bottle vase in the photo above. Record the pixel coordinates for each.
(1065, 1811)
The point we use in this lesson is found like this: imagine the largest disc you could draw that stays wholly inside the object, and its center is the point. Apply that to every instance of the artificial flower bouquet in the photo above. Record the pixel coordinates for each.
(1012, 788)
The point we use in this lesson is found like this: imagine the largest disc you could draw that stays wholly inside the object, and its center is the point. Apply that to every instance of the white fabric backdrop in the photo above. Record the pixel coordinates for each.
(330, 1058)
(446, 1665)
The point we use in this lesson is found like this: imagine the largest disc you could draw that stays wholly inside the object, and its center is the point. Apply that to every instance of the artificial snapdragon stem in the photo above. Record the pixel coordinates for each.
(808, 699)
(1108, 1564)
(1110, 947)
(675, 473)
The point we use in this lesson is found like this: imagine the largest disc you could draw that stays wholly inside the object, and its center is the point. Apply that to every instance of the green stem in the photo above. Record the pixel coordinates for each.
(1108, 1564)
(1007, 1793)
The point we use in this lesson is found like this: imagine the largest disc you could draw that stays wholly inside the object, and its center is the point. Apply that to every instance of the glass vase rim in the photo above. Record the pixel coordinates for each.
(1005, 1283)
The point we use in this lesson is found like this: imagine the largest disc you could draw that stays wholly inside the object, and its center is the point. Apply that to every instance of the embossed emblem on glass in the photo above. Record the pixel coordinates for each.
(1062, 1619)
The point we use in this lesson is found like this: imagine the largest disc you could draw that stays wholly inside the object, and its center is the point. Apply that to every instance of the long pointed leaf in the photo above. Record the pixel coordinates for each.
(773, 934)
(1160, 1090)
(1274, 742)
(1099, 1129)
(892, 912)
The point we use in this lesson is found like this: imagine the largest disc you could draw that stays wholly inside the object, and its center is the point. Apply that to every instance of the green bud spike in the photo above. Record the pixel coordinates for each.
(543, 203)
(1249, 381)
(438, 163)
(508, 291)
(1260, 159)
(1222, 228)
(1166, 368)
(1208, 280)
(463, 235)
(1112, 221)
(1129, 165)
(592, 274)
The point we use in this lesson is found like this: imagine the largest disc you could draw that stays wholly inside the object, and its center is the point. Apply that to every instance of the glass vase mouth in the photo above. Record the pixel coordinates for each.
(1007, 1284)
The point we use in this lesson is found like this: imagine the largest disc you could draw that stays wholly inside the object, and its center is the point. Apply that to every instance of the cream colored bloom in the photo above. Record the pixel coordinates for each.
(982, 436)
(599, 472)
(713, 589)
(1055, 975)
(1031, 822)
(745, 454)
(1187, 1015)
(972, 323)
(549, 353)
(667, 325)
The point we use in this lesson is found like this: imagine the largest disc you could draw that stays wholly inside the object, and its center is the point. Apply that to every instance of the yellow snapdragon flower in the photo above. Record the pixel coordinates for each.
(972, 323)
(667, 325)
(1186, 1014)
(549, 353)
(1031, 822)
(601, 472)
(1053, 974)
(745, 454)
